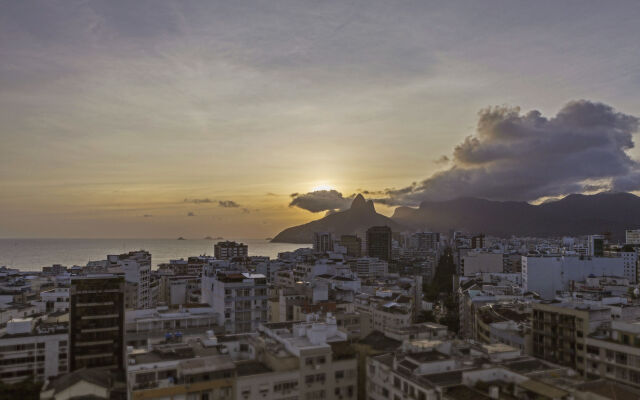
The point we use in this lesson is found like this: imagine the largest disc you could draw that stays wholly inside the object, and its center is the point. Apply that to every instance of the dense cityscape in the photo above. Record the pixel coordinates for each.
(371, 315)
(319, 200)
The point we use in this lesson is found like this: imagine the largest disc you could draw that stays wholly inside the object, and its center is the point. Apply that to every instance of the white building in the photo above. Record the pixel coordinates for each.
(153, 324)
(474, 262)
(632, 236)
(56, 299)
(240, 299)
(136, 266)
(327, 364)
(33, 348)
(548, 275)
(371, 267)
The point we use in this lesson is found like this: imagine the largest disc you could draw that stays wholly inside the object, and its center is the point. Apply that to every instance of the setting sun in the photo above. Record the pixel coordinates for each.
(322, 187)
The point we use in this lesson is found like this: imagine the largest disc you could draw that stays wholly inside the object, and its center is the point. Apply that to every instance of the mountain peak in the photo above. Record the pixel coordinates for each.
(360, 217)
(358, 202)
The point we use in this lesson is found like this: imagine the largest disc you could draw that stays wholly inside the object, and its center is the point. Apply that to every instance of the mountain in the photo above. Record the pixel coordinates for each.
(361, 216)
(573, 215)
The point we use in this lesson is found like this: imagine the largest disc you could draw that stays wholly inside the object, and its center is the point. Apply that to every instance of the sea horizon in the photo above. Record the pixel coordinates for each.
(31, 254)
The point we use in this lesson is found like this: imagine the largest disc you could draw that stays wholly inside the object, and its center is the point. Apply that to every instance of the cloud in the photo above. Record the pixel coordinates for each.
(147, 216)
(516, 156)
(228, 204)
(246, 211)
(191, 214)
(198, 201)
(321, 200)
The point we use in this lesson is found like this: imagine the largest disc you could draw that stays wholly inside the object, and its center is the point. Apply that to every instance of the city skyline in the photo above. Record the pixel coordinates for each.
(165, 120)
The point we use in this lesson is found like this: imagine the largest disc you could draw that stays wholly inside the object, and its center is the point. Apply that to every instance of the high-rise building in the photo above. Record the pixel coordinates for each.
(136, 266)
(478, 242)
(379, 242)
(227, 250)
(96, 318)
(425, 240)
(632, 236)
(595, 245)
(353, 244)
(322, 242)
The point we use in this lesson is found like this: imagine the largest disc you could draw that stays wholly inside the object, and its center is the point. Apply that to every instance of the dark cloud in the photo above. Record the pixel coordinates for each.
(147, 216)
(516, 156)
(442, 160)
(246, 211)
(198, 201)
(294, 194)
(371, 192)
(228, 204)
(191, 214)
(321, 200)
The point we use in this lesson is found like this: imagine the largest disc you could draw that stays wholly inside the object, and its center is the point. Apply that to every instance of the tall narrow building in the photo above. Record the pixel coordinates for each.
(322, 242)
(379, 242)
(353, 244)
(96, 317)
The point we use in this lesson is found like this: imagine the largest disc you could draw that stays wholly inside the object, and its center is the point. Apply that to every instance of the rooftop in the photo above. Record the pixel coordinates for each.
(245, 368)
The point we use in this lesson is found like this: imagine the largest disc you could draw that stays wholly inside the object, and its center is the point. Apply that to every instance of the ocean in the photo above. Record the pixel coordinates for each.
(33, 254)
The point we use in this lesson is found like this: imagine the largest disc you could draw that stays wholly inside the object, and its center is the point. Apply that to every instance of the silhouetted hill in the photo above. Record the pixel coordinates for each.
(360, 217)
(573, 215)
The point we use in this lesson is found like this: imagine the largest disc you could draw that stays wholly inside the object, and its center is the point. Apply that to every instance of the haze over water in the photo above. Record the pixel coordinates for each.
(33, 254)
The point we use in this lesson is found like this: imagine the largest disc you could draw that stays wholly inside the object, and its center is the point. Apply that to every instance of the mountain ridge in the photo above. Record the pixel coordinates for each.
(573, 215)
(357, 219)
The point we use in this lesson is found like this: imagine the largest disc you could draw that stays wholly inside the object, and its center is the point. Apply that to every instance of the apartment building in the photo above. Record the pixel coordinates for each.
(560, 330)
(326, 363)
(322, 242)
(239, 299)
(474, 262)
(436, 369)
(227, 250)
(284, 361)
(97, 322)
(370, 267)
(549, 275)
(34, 348)
(153, 325)
(136, 267)
(379, 242)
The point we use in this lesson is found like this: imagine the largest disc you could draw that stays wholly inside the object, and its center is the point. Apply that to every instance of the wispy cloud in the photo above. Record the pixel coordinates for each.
(198, 201)
(228, 204)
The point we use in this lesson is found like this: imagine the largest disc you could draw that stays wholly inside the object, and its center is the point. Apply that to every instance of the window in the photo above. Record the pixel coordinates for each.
(339, 374)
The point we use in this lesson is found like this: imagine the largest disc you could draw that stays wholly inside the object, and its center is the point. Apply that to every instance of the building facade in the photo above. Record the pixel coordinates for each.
(97, 322)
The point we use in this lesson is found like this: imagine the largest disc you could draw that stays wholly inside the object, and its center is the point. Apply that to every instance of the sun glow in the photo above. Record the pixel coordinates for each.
(322, 187)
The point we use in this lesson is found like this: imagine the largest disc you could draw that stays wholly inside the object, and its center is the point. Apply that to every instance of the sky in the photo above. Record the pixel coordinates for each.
(163, 118)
